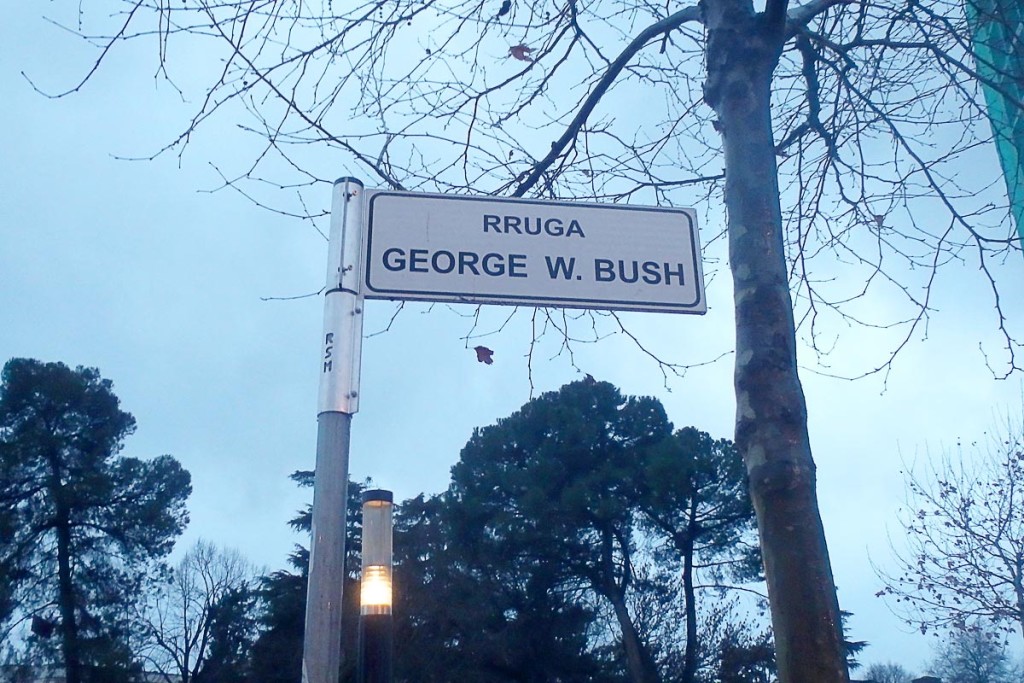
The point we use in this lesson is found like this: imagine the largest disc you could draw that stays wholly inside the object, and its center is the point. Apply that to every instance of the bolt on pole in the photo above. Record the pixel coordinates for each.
(338, 400)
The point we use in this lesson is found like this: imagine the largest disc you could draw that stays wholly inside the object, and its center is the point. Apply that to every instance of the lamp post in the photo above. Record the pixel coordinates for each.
(376, 631)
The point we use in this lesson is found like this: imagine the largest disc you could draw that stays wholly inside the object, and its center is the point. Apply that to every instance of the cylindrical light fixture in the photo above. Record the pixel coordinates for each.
(376, 631)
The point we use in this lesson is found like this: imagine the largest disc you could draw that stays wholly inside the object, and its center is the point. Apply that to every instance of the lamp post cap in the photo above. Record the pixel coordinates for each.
(378, 495)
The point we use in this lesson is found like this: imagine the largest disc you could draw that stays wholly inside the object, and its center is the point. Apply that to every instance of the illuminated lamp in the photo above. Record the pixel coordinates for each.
(376, 630)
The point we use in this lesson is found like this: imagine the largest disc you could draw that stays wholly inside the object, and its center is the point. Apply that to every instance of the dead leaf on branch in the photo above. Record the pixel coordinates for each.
(484, 354)
(521, 52)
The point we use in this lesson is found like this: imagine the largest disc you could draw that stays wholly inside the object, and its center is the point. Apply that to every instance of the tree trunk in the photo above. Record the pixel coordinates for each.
(66, 599)
(640, 665)
(771, 418)
(638, 659)
(70, 642)
(689, 595)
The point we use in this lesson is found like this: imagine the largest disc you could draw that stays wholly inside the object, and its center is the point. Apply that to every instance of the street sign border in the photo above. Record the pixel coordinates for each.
(697, 307)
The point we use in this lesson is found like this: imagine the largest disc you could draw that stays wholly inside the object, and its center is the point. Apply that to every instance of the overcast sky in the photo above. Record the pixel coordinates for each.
(130, 267)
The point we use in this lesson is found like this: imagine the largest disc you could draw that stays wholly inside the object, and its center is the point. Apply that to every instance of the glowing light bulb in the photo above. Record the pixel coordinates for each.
(375, 589)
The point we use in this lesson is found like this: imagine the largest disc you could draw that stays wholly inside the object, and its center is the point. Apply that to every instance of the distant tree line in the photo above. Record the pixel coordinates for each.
(581, 539)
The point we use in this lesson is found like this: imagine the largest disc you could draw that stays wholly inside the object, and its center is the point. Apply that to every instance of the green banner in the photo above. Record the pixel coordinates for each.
(998, 35)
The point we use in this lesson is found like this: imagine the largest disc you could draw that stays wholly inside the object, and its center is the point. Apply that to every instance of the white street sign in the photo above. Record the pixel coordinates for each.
(529, 252)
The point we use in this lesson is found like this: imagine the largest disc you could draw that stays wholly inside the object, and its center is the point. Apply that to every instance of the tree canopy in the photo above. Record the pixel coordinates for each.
(556, 483)
(506, 575)
(974, 654)
(875, 109)
(889, 672)
(198, 623)
(466, 615)
(963, 559)
(585, 505)
(84, 524)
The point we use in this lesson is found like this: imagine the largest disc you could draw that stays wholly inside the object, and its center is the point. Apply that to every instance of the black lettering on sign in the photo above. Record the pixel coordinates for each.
(467, 261)
(574, 229)
(532, 225)
(679, 272)
(328, 350)
(651, 272)
(494, 264)
(394, 259)
(443, 262)
(651, 275)
(418, 261)
(517, 265)
(560, 266)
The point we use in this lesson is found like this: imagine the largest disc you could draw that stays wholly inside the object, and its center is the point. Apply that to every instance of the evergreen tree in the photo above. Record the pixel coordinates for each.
(552, 489)
(693, 494)
(464, 616)
(82, 524)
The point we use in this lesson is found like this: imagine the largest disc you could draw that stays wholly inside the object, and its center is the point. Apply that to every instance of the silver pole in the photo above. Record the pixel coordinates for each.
(338, 401)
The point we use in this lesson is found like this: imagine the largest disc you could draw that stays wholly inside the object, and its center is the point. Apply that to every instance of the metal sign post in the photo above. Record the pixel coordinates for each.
(339, 400)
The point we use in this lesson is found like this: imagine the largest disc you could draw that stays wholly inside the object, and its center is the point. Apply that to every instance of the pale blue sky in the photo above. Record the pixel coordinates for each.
(127, 266)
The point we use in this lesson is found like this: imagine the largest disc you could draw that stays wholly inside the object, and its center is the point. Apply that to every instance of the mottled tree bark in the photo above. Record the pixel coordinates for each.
(771, 416)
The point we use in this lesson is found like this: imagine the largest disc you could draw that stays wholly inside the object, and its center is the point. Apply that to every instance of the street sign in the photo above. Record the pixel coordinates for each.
(488, 250)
